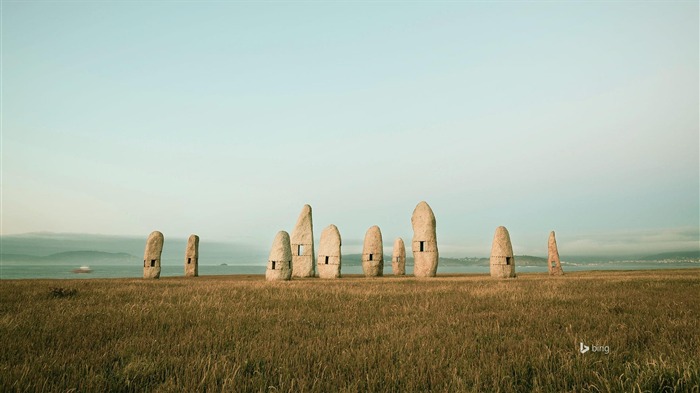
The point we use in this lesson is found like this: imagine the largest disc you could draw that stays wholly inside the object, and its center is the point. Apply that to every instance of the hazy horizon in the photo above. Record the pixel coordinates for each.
(224, 119)
(63, 242)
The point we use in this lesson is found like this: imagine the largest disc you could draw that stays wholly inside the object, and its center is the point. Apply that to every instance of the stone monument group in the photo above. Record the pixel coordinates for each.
(293, 256)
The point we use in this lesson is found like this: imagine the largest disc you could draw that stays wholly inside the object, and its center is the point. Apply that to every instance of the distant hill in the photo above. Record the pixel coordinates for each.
(77, 248)
(73, 257)
(676, 256)
(91, 255)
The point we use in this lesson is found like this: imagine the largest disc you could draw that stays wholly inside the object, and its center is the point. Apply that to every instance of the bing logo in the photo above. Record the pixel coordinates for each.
(593, 348)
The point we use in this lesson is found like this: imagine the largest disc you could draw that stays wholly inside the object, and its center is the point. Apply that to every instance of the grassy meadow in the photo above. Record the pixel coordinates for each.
(393, 334)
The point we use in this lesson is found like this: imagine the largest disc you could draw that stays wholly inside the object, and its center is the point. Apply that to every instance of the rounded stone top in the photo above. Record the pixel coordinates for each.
(193, 237)
(501, 243)
(399, 248)
(281, 249)
(423, 222)
(373, 240)
(155, 235)
(330, 240)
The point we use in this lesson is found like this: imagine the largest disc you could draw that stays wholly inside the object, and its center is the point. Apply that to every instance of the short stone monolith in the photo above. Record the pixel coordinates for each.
(373, 253)
(303, 245)
(151, 256)
(398, 258)
(329, 258)
(192, 257)
(424, 245)
(553, 262)
(502, 259)
(279, 264)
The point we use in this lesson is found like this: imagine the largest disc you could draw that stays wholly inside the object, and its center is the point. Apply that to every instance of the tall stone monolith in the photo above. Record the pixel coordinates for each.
(553, 262)
(151, 256)
(424, 245)
(329, 257)
(373, 253)
(303, 245)
(502, 259)
(192, 257)
(279, 264)
(398, 258)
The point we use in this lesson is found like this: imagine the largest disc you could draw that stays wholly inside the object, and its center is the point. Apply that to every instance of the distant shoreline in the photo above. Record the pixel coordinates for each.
(361, 277)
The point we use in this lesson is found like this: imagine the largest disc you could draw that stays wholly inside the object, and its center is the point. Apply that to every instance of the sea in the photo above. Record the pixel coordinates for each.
(58, 255)
(23, 270)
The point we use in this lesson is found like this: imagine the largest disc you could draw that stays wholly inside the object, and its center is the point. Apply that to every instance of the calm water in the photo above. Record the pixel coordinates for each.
(28, 270)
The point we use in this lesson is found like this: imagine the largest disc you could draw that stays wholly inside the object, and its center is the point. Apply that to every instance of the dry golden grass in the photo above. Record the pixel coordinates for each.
(452, 333)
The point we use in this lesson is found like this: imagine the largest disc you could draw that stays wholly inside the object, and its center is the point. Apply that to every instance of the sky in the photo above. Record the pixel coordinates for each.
(224, 118)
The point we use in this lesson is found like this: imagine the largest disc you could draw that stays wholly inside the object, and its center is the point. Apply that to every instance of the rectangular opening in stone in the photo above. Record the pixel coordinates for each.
(326, 260)
(144, 263)
(507, 260)
(554, 264)
(153, 262)
(189, 260)
(370, 257)
(421, 246)
(273, 265)
(300, 250)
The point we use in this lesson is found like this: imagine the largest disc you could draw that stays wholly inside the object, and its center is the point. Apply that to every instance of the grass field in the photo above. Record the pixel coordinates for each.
(396, 334)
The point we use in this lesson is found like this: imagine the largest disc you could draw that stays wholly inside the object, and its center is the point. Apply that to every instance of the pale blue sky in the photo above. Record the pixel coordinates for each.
(224, 118)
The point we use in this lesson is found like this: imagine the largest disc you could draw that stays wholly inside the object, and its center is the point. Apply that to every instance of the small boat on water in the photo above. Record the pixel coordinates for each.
(83, 269)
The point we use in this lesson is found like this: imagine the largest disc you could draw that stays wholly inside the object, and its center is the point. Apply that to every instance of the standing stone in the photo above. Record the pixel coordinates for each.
(329, 258)
(279, 264)
(303, 245)
(553, 262)
(151, 257)
(502, 260)
(192, 257)
(424, 245)
(373, 253)
(398, 258)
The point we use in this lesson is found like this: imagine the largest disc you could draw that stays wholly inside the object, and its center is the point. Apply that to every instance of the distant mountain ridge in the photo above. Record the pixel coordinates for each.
(73, 257)
(680, 255)
(77, 248)
(89, 249)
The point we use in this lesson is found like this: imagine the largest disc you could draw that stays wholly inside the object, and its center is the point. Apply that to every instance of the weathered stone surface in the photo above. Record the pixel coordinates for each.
(373, 253)
(303, 245)
(553, 262)
(279, 264)
(151, 256)
(424, 244)
(192, 257)
(329, 257)
(502, 260)
(398, 258)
